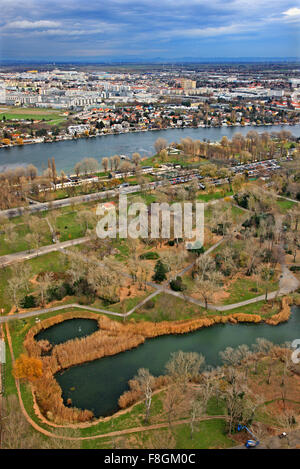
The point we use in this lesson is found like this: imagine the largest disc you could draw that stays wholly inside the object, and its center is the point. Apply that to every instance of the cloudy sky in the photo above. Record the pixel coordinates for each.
(115, 29)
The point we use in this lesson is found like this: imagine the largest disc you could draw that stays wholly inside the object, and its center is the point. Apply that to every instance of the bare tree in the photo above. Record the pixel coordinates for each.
(208, 286)
(116, 162)
(136, 158)
(195, 412)
(184, 366)
(10, 235)
(43, 284)
(204, 265)
(86, 218)
(173, 401)
(146, 382)
(266, 273)
(105, 163)
(160, 144)
(15, 289)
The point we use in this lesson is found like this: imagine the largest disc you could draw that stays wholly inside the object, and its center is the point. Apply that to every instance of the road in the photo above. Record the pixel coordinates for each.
(287, 284)
(25, 255)
(79, 199)
(41, 207)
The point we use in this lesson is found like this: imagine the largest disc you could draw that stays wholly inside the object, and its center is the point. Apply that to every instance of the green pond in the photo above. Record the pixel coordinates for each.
(97, 385)
(67, 330)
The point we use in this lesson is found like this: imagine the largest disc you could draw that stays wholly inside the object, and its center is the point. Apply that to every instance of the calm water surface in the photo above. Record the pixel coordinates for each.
(68, 330)
(97, 385)
(69, 152)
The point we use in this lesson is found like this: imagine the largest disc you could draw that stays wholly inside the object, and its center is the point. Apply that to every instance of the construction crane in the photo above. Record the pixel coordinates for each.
(249, 443)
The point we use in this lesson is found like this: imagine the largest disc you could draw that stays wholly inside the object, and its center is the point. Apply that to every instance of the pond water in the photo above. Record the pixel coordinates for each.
(69, 152)
(67, 330)
(97, 385)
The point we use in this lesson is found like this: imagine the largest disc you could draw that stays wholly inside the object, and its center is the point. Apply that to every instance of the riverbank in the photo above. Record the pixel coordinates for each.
(67, 153)
(111, 339)
(104, 134)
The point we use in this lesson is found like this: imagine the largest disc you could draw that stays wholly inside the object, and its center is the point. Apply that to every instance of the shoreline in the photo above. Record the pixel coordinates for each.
(7, 147)
(108, 328)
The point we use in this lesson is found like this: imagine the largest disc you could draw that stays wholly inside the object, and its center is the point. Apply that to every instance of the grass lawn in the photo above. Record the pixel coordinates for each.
(167, 308)
(68, 226)
(120, 307)
(244, 289)
(129, 303)
(264, 309)
(237, 213)
(214, 196)
(21, 244)
(149, 198)
(51, 116)
(207, 435)
(52, 262)
(284, 205)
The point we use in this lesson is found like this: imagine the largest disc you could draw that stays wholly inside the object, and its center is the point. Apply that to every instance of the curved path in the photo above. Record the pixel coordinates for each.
(9, 259)
(288, 283)
(102, 435)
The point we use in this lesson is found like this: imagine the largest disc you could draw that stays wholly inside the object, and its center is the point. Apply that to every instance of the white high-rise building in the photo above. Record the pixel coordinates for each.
(2, 94)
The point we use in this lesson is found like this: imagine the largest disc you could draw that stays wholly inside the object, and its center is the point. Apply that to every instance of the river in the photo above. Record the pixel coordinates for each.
(97, 385)
(67, 153)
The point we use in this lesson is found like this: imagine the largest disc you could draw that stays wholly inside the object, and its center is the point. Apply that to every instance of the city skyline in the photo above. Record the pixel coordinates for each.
(148, 30)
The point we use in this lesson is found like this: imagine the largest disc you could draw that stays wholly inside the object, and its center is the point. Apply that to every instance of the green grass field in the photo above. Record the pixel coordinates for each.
(244, 289)
(167, 308)
(285, 205)
(20, 243)
(50, 116)
(52, 262)
(68, 226)
(214, 196)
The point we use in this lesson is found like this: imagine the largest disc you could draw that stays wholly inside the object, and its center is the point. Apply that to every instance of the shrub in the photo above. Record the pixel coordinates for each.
(82, 287)
(69, 289)
(242, 199)
(56, 292)
(177, 284)
(28, 368)
(197, 251)
(29, 301)
(149, 255)
(85, 300)
(150, 304)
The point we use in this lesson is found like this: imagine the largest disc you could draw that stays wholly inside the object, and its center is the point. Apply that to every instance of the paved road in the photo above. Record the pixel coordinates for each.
(40, 207)
(37, 312)
(162, 289)
(287, 198)
(287, 284)
(25, 255)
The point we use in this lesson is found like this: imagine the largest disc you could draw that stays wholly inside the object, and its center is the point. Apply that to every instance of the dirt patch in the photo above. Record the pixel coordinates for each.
(289, 259)
(131, 291)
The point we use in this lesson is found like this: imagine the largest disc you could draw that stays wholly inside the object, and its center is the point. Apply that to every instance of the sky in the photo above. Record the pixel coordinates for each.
(108, 30)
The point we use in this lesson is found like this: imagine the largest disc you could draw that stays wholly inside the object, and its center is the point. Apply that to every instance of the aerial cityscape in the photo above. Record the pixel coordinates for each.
(150, 227)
